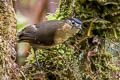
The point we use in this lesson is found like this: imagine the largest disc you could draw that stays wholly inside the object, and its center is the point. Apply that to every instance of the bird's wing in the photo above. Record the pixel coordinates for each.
(43, 32)
(47, 31)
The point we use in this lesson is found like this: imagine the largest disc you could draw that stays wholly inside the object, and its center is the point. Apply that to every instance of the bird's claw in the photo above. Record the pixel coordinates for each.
(37, 64)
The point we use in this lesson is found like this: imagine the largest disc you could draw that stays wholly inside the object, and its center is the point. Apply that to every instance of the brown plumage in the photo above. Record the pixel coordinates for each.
(49, 33)
(46, 34)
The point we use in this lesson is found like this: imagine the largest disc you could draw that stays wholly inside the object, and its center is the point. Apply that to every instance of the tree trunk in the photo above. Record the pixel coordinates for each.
(8, 70)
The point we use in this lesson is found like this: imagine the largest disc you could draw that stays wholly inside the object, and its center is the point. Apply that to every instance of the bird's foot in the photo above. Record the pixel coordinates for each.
(37, 64)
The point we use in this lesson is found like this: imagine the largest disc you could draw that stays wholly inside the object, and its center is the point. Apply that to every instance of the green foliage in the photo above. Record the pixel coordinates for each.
(63, 11)
(21, 21)
(54, 62)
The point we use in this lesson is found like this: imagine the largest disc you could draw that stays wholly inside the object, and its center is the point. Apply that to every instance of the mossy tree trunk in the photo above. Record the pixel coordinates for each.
(8, 70)
(100, 22)
(98, 43)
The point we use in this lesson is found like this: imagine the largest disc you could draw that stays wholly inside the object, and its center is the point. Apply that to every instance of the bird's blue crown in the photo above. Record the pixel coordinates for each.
(76, 20)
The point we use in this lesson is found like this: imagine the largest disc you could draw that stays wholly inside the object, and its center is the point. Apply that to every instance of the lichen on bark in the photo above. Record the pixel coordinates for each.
(7, 40)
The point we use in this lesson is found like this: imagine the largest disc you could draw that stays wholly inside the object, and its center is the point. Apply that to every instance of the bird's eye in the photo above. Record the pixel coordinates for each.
(73, 23)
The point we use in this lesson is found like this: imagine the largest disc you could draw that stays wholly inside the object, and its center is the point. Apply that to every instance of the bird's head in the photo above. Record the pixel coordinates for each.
(75, 23)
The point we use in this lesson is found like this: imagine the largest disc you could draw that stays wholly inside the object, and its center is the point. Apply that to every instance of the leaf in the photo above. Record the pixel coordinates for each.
(90, 28)
(115, 34)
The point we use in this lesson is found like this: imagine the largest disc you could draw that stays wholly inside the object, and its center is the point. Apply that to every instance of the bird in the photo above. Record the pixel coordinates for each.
(47, 34)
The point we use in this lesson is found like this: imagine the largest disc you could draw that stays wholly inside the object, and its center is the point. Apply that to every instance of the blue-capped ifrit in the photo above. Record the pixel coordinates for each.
(49, 33)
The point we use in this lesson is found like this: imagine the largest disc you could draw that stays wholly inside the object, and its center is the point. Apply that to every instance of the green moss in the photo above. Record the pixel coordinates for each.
(72, 60)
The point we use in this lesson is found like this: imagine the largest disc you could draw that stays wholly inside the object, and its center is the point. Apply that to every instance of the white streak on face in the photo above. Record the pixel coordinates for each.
(76, 24)
(34, 26)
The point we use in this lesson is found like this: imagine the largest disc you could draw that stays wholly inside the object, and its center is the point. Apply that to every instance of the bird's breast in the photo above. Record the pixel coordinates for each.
(63, 33)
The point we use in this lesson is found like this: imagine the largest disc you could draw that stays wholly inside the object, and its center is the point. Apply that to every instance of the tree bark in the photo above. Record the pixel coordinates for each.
(8, 70)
